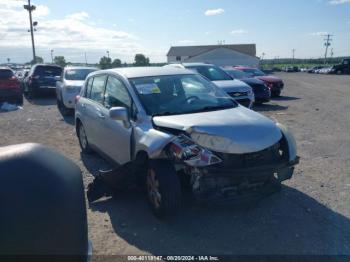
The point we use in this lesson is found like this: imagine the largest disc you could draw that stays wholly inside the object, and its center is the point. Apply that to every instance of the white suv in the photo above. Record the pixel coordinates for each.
(68, 86)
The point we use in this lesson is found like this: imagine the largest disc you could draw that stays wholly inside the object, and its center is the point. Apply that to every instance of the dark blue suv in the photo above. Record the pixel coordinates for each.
(41, 78)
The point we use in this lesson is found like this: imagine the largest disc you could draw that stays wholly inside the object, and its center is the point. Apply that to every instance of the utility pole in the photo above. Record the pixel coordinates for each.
(52, 55)
(30, 8)
(327, 39)
(108, 54)
(293, 51)
(85, 58)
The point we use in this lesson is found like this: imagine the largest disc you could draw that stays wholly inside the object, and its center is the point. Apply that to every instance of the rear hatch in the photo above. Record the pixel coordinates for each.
(45, 76)
(8, 80)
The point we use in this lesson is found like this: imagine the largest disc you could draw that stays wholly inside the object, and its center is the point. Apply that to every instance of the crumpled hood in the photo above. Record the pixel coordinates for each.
(270, 79)
(235, 131)
(77, 83)
(232, 85)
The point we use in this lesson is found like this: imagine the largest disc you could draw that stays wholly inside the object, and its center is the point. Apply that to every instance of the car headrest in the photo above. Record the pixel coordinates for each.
(42, 202)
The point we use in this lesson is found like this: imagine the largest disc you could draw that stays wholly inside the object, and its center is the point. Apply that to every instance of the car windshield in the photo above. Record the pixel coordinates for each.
(236, 74)
(48, 71)
(78, 74)
(213, 73)
(254, 72)
(180, 94)
(6, 74)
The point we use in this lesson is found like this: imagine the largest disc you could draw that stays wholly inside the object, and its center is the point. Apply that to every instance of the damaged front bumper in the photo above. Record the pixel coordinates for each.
(219, 184)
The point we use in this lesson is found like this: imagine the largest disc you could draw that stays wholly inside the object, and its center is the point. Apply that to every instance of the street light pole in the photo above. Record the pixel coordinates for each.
(108, 54)
(30, 8)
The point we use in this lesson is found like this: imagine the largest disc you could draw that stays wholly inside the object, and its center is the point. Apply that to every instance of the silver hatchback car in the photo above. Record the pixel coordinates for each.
(68, 86)
(169, 125)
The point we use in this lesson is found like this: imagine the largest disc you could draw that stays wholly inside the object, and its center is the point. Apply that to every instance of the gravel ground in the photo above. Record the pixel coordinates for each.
(310, 215)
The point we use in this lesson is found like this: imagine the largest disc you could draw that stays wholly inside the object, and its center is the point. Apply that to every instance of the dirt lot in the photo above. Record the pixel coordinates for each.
(310, 216)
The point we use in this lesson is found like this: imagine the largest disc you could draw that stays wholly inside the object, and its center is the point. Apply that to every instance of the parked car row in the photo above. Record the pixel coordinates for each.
(342, 68)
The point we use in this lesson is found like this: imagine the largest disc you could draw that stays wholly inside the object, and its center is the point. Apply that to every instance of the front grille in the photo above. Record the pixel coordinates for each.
(237, 94)
(265, 157)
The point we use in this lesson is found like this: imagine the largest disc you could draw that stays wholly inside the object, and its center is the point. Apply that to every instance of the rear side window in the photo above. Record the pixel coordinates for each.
(6, 74)
(97, 89)
(116, 94)
(48, 71)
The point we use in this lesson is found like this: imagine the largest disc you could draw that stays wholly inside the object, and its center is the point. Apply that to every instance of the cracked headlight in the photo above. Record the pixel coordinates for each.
(185, 150)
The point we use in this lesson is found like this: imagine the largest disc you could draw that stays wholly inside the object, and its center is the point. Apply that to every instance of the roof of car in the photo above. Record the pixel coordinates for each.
(80, 67)
(132, 72)
(47, 65)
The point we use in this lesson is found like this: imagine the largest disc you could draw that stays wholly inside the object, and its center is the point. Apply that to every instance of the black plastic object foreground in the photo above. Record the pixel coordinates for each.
(42, 203)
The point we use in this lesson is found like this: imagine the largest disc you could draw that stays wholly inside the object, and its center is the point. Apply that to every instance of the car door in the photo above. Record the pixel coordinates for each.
(91, 107)
(115, 135)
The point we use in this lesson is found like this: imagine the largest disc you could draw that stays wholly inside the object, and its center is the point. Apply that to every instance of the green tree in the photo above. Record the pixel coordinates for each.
(105, 62)
(60, 60)
(38, 60)
(117, 63)
(141, 60)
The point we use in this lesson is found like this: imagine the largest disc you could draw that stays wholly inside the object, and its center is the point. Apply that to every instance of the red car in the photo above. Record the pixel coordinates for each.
(10, 88)
(274, 83)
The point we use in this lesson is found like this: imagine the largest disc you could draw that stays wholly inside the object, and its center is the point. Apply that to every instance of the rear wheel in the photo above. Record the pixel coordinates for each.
(20, 100)
(163, 188)
(339, 72)
(62, 108)
(83, 141)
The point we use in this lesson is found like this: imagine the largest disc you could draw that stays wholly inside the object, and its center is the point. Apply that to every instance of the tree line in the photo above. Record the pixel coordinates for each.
(104, 63)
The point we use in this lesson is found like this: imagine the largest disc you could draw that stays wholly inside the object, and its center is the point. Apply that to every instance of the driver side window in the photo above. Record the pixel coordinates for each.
(117, 95)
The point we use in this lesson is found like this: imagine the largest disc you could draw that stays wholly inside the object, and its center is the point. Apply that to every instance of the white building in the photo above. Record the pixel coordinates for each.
(221, 55)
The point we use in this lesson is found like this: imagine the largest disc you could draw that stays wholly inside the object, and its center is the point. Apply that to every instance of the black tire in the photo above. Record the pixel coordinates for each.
(84, 145)
(62, 108)
(169, 188)
(31, 93)
(276, 93)
(19, 100)
(339, 72)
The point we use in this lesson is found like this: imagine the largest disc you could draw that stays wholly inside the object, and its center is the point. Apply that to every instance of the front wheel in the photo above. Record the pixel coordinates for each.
(276, 93)
(163, 188)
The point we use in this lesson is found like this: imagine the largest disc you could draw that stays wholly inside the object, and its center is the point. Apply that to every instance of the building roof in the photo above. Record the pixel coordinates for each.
(191, 51)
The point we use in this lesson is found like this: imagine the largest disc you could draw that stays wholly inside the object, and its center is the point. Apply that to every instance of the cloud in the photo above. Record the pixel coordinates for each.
(212, 12)
(78, 16)
(71, 32)
(238, 32)
(186, 42)
(339, 2)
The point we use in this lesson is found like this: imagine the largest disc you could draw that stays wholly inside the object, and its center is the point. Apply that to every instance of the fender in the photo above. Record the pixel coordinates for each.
(292, 145)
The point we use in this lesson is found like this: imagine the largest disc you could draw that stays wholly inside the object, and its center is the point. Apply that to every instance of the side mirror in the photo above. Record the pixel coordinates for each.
(120, 114)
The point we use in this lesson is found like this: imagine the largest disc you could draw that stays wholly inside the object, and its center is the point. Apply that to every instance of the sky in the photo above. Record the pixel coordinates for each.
(126, 27)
